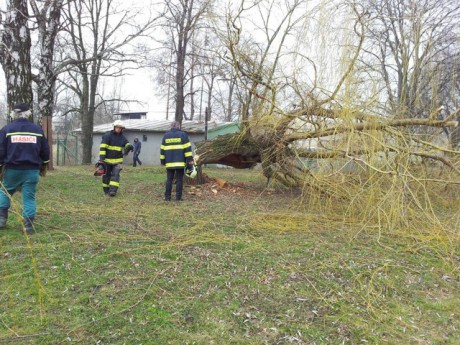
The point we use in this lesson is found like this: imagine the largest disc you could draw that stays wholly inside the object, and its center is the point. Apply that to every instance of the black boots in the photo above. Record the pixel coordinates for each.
(28, 222)
(29, 225)
(3, 217)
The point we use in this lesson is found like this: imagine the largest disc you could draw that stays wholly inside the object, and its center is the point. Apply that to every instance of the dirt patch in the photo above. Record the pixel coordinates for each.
(220, 187)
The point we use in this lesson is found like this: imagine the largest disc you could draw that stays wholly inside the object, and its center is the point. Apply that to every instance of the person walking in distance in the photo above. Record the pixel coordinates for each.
(175, 154)
(24, 156)
(136, 152)
(113, 146)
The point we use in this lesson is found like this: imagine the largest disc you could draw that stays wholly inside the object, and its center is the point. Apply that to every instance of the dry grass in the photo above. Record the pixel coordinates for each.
(234, 265)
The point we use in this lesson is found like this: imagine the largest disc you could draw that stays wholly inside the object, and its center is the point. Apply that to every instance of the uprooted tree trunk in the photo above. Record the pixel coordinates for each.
(233, 150)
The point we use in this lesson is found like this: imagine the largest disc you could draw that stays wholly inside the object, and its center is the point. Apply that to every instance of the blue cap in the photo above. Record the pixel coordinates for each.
(20, 107)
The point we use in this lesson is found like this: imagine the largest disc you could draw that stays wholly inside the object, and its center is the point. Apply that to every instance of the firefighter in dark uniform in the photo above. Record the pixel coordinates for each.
(175, 153)
(24, 155)
(114, 146)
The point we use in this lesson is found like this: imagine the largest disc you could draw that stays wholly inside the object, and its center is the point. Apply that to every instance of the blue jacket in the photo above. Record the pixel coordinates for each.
(23, 145)
(137, 147)
(112, 147)
(175, 150)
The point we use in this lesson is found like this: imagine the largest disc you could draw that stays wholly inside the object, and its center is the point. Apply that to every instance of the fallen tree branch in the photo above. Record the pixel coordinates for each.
(366, 127)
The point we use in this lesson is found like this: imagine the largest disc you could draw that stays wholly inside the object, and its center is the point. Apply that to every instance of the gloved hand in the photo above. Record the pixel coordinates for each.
(100, 168)
(128, 149)
(1, 172)
(43, 170)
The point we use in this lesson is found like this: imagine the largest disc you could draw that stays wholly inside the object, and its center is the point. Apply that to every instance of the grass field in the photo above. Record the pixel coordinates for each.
(233, 265)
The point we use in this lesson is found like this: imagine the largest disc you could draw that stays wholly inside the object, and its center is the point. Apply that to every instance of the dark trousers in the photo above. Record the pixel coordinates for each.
(136, 159)
(170, 174)
(111, 179)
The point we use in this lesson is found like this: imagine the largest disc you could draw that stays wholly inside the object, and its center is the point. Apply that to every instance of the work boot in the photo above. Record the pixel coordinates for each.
(29, 225)
(3, 217)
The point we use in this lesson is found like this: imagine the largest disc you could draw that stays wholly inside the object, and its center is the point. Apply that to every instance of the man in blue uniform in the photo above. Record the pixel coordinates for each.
(175, 153)
(24, 154)
(137, 152)
(113, 145)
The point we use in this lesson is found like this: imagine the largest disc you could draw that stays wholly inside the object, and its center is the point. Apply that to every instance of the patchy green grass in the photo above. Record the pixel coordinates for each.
(239, 265)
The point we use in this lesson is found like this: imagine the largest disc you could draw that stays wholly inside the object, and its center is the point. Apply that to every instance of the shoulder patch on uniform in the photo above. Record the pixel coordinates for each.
(173, 140)
(27, 139)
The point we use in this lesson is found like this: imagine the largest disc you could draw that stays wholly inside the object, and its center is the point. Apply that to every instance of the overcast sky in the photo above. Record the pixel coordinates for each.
(140, 87)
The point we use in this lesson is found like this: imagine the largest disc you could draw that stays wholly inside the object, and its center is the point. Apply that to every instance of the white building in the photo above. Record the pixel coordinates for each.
(150, 134)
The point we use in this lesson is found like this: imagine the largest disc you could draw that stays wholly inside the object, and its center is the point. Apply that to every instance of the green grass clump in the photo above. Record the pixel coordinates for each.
(233, 265)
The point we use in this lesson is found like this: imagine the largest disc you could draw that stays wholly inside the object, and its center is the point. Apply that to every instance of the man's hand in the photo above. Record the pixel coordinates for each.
(128, 149)
(1, 172)
(43, 170)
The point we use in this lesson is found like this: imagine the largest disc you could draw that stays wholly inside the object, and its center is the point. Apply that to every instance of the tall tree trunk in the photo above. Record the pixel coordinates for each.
(180, 95)
(15, 54)
(232, 83)
(184, 33)
(87, 122)
(48, 26)
(88, 109)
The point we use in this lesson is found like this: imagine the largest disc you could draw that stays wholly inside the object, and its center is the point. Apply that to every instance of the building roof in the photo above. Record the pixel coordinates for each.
(224, 125)
(131, 112)
(160, 126)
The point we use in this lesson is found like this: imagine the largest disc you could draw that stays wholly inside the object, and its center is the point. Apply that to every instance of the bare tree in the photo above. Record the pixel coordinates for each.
(330, 118)
(16, 56)
(256, 63)
(182, 20)
(47, 19)
(227, 98)
(15, 49)
(406, 45)
(214, 68)
(101, 36)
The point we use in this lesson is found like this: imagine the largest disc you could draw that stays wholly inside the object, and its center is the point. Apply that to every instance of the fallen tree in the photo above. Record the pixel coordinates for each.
(282, 153)
(332, 125)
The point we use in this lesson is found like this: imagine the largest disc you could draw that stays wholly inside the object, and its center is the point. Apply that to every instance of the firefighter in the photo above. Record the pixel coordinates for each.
(175, 155)
(114, 146)
(24, 155)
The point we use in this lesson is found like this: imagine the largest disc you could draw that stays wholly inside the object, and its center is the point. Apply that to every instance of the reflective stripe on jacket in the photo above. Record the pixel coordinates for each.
(112, 146)
(176, 149)
(23, 145)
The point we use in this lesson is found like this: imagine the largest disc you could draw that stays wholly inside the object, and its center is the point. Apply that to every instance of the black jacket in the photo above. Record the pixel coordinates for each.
(23, 145)
(112, 147)
(137, 147)
(175, 150)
